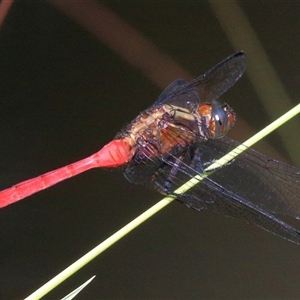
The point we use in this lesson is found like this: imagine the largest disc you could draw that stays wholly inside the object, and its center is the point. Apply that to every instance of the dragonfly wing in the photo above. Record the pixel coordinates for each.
(286, 179)
(243, 189)
(170, 90)
(187, 98)
(210, 194)
(220, 78)
(267, 183)
(153, 172)
(206, 87)
(220, 200)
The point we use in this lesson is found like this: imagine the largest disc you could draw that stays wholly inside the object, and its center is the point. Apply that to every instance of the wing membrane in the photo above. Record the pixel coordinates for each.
(208, 86)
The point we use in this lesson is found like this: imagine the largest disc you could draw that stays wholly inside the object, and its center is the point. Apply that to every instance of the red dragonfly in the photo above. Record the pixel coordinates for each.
(181, 135)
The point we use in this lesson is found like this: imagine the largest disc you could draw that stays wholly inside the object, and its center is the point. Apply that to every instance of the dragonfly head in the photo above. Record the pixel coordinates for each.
(223, 118)
(219, 118)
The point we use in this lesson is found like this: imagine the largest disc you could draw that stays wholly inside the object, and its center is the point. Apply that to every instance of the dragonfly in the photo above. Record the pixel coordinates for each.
(179, 137)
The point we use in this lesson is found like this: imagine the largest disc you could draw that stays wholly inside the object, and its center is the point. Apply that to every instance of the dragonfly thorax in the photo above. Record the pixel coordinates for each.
(161, 130)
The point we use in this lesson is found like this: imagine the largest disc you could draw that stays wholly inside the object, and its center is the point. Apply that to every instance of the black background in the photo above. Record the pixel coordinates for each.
(64, 94)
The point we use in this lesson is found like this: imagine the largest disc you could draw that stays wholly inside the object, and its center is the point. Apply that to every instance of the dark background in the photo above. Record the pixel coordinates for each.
(64, 93)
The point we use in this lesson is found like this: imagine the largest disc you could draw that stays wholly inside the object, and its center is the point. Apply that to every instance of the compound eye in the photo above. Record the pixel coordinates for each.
(224, 119)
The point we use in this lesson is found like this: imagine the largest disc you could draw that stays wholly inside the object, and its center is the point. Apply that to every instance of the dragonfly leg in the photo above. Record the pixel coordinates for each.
(188, 200)
(199, 165)
(196, 161)
(164, 176)
(166, 181)
(175, 167)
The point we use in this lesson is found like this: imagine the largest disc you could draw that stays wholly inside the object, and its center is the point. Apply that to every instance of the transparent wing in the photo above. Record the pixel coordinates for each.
(170, 90)
(208, 86)
(218, 199)
(178, 93)
(251, 188)
(267, 183)
(220, 78)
